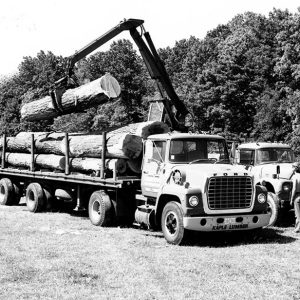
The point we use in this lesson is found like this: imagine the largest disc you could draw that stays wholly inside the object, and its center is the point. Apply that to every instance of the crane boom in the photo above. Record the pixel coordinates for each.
(122, 26)
(152, 61)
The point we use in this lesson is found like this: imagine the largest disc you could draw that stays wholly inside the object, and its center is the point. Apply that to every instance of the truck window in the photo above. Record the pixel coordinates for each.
(156, 150)
(204, 150)
(275, 155)
(246, 157)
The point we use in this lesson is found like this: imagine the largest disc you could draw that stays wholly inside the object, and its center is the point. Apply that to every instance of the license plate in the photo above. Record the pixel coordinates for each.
(229, 221)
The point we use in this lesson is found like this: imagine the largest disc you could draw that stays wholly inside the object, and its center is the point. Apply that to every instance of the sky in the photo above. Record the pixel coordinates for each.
(64, 26)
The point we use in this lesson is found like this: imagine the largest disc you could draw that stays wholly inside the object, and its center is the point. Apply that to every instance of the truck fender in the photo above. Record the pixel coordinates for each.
(161, 202)
(268, 185)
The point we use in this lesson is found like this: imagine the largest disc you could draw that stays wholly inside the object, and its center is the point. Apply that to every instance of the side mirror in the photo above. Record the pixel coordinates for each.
(277, 171)
(235, 155)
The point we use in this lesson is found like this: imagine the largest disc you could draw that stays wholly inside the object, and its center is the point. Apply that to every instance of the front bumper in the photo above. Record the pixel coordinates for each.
(226, 223)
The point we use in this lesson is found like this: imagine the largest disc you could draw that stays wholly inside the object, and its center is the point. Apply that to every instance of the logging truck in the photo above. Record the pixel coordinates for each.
(187, 183)
(178, 181)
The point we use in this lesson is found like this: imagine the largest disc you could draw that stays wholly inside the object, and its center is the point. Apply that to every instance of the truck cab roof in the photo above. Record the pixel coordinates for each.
(178, 135)
(263, 145)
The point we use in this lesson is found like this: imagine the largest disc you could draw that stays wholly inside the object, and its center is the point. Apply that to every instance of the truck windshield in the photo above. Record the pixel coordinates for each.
(279, 155)
(198, 151)
(246, 157)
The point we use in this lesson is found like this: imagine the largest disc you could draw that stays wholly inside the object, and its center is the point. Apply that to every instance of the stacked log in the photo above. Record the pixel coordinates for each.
(78, 99)
(58, 162)
(123, 149)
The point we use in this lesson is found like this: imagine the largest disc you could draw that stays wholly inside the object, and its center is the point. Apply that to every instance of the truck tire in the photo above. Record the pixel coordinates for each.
(7, 192)
(172, 223)
(100, 209)
(35, 199)
(273, 203)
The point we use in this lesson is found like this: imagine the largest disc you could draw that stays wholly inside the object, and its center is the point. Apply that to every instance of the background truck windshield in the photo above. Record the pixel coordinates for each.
(198, 150)
(275, 155)
(267, 155)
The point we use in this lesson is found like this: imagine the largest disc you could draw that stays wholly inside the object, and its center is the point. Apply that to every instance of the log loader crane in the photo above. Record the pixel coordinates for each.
(169, 99)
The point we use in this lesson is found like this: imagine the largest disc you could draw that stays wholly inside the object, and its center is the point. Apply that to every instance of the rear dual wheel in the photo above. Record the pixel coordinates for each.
(35, 197)
(101, 211)
(9, 192)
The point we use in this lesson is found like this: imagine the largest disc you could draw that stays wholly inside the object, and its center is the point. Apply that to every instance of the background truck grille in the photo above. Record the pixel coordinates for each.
(229, 192)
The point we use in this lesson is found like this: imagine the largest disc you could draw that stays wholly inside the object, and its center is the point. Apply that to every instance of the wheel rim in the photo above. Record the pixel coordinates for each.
(96, 211)
(171, 223)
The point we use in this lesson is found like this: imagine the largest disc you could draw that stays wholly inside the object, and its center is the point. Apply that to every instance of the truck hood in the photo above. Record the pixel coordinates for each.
(195, 173)
(269, 170)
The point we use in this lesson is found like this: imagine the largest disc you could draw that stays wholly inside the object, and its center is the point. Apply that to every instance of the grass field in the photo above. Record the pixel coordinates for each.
(62, 256)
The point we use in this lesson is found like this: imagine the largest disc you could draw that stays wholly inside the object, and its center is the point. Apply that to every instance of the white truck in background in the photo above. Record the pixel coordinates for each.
(273, 166)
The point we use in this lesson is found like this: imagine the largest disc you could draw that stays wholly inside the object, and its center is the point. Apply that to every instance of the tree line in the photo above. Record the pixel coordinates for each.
(242, 80)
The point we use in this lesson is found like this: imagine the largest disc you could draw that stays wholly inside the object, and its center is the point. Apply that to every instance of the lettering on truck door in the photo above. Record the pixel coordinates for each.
(153, 167)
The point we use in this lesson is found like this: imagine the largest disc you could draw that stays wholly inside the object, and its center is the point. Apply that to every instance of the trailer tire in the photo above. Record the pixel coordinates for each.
(35, 199)
(100, 209)
(273, 208)
(7, 192)
(172, 223)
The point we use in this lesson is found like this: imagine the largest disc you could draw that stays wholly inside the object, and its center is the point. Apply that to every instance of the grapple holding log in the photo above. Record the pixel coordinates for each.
(77, 99)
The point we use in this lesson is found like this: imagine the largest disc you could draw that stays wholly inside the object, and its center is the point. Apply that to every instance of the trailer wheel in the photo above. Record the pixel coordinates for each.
(172, 223)
(100, 209)
(7, 192)
(35, 197)
(273, 208)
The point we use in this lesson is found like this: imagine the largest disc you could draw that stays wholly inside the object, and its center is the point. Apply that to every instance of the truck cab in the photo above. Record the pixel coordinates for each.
(188, 183)
(272, 165)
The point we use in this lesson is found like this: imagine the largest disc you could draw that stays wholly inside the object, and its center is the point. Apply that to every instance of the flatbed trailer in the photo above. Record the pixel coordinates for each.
(42, 187)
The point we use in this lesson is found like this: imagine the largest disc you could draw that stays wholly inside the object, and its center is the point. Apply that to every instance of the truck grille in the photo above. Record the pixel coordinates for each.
(229, 192)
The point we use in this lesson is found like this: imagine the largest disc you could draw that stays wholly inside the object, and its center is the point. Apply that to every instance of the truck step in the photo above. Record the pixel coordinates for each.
(140, 197)
(145, 208)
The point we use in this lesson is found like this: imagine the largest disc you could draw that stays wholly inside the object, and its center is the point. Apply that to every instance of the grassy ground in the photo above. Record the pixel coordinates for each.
(62, 256)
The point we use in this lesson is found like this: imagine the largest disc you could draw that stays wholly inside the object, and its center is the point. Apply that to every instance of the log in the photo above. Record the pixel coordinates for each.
(23, 145)
(23, 160)
(128, 146)
(79, 99)
(124, 142)
(57, 162)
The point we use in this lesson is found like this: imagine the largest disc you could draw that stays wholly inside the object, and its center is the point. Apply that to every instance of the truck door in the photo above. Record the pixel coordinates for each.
(153, 168)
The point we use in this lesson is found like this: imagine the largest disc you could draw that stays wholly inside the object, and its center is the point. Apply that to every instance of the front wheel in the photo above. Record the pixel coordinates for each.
(172, 223)
(273, 208)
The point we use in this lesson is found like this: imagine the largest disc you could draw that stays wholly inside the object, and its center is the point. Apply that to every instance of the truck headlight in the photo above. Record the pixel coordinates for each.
(261, 198)
(193, 201)
(286, 187)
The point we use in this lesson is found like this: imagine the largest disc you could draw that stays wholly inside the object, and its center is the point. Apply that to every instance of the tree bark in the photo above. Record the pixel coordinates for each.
(72, 100)
(57, 162)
